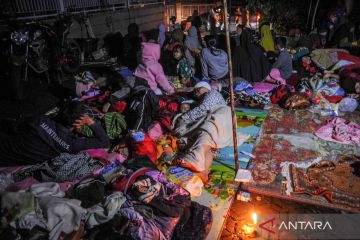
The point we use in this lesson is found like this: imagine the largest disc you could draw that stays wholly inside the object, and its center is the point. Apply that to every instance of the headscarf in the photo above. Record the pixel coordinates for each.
(192, 40)
(249, 61)
(162, 33)
(267, 41)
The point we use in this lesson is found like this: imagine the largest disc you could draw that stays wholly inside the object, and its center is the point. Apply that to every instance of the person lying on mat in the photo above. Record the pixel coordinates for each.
(208, 99)
(205, 128)
(44, 138)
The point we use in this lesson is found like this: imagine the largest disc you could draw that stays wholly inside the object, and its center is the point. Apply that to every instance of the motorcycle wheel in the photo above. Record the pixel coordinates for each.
(17, 82)
(71, 53)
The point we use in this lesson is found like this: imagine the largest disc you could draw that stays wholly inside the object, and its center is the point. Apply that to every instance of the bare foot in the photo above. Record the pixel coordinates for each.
(204, 176)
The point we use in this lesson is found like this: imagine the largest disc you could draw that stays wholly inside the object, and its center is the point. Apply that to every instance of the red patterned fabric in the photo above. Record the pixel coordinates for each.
(279, 93)
(168, 109)
(119, 106)
(146, 147)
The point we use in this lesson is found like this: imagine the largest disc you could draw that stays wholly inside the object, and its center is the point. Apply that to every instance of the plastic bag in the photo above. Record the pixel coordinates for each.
(348, 105)
(186, 179)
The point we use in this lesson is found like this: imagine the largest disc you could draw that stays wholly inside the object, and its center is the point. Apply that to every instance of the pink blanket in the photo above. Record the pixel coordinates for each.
(264, 87)
(341, 131)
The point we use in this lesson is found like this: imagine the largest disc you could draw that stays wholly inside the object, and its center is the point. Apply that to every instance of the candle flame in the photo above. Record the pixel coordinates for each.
(254, 218)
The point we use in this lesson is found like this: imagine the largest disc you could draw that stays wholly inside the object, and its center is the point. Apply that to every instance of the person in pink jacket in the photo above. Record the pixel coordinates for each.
(151, 70)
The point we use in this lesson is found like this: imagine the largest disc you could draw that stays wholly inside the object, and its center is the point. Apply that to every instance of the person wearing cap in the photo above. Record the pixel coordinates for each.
(208, 100)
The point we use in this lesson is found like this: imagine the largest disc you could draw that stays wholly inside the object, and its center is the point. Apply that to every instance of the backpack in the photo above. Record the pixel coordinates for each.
(143, 108)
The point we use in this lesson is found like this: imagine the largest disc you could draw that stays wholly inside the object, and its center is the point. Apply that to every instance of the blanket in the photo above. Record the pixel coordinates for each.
(212, 132)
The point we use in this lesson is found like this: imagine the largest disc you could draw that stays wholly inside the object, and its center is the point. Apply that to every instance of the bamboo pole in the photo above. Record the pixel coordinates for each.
(308, 17)
(314, 15)
(231, 86)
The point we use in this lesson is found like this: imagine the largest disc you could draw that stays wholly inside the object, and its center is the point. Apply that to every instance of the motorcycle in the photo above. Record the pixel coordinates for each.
(37, 47)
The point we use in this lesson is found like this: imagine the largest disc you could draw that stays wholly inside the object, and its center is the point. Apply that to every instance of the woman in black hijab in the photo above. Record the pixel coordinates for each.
(249, 61)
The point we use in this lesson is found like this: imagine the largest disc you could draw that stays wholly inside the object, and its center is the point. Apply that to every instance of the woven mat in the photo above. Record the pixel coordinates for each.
(287, 139)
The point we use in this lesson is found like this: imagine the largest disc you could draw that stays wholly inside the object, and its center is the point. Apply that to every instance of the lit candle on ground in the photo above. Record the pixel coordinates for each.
(249, 229)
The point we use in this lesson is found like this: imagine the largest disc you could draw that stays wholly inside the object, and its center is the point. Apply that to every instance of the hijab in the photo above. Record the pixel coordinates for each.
(267, 41)
(192, 40)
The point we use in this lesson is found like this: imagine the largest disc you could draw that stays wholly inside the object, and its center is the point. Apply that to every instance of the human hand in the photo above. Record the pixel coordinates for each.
(83, 120)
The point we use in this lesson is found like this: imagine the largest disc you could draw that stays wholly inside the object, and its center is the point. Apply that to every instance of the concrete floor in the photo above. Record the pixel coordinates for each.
(240, 213)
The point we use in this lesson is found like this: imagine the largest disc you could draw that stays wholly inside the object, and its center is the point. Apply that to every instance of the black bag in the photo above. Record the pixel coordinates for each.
(143, 108)
(90, 191)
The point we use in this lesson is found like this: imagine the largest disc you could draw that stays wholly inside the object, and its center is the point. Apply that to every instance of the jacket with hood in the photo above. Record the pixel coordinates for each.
(151, 70)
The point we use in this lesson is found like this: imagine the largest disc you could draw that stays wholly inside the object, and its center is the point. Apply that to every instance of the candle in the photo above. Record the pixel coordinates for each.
(254, 218)
(249, 229)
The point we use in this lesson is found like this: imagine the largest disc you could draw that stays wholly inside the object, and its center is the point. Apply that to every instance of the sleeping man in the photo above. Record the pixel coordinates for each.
(206, 127)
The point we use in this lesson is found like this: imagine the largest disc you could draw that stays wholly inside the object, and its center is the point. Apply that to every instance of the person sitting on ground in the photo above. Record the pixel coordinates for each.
(151, 70)
(44, 138)
(266, 40)
(214, 61)
(131, 47)
(192, 40)
(249, 61)
(184, 69)
(167, 60)
(284, 61)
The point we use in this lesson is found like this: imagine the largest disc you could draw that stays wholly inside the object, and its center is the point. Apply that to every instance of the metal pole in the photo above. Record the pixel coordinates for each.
(231, 86)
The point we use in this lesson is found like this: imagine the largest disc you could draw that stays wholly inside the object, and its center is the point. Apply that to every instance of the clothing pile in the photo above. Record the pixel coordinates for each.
(126, 201)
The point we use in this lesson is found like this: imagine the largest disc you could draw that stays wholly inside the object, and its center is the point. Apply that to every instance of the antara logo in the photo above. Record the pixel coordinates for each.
(295, 225)
(305, 225)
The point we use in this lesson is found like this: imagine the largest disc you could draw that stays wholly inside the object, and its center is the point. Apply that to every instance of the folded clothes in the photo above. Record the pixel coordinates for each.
(341, 131)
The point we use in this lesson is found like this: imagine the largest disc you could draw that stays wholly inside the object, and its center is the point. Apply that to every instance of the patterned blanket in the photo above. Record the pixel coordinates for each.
(288, 138)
